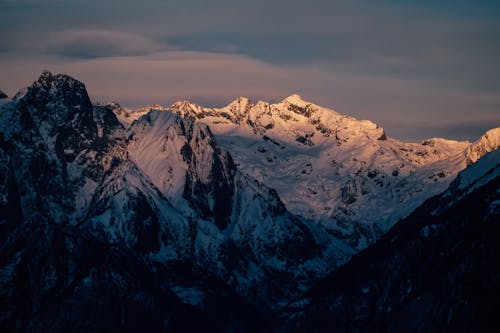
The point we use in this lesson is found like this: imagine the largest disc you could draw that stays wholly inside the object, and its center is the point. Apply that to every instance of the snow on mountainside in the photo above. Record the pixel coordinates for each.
(182, 159)
(161, 192)
(200, 209)
(127, 116)
(436, 270)
(475, 176)
(343, 173)
(488, 142)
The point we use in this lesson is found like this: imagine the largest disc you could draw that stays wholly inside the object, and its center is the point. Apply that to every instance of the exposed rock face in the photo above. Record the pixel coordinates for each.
(63, 279)
(156, 218)
(112, 219)
(184, 162)
(345, 174)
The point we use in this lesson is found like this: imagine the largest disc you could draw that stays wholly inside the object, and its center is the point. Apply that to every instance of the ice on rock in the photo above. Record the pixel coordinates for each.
(295, 99)
(273, 143)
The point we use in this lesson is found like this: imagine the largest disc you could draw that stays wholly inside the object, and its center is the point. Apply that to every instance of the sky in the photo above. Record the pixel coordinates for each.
(419, 69)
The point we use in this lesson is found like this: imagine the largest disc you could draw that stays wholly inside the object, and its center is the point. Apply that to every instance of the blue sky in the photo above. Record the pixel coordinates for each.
(418, 68)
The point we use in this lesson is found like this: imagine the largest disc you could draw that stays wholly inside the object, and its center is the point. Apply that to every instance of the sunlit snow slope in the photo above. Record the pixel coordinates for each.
(345, 174)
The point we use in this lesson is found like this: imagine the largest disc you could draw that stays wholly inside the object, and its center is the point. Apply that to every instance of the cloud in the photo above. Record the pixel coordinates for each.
(407, 66)
(165, 77)
(406, 108)
(97, 43)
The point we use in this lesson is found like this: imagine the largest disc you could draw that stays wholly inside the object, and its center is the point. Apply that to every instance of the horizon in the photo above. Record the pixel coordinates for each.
(252, 100)
(419, 70)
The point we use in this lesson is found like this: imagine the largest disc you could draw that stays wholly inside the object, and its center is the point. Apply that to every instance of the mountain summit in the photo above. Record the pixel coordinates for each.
(156, 209)
(187, 218)
(343, 173)
(295, 99)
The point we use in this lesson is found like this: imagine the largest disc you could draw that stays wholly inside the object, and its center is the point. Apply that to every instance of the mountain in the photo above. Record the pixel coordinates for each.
(345, 174)
(229, 209)
(188, 218)
(437, 270)
(156, 215)
(3, 95)
(57, 274)
(488, 142)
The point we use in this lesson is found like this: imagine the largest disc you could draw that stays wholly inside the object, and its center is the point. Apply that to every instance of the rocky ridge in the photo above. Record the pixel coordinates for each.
(436, 270)
(345, 174)
(214, 218)
(163, 205)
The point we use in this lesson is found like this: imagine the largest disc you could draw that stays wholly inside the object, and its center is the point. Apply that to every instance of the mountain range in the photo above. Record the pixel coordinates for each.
(436, 270)
(344, 174)
(241, 218)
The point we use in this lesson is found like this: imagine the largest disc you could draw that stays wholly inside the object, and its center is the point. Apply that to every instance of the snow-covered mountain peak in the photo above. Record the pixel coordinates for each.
(487, 142)
(333, 168)
(184, 104)
(156, 107)
(57, 93)
(53, 83)
(61, 108)
(475, 175)
(46, 75)
(188, 109)
(240, 107)
(260, 199)
(240, 102)
(262, 104)
(114, 107)
(295, 99)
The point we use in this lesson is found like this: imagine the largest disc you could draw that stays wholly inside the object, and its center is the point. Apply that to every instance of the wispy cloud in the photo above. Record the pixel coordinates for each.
(406, 65)
(97, 43)
(214, 79)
